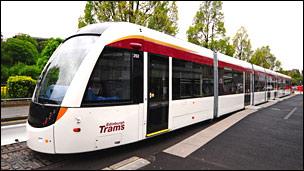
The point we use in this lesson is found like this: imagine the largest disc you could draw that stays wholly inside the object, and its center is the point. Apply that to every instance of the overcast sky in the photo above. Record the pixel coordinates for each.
(277, 24)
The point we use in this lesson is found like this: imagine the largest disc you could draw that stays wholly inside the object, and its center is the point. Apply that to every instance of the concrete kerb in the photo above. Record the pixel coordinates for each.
(15, 102)
(13, 118)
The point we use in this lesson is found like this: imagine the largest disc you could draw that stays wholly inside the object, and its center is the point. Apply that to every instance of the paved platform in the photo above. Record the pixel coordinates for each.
(13, 133)
(271, 138)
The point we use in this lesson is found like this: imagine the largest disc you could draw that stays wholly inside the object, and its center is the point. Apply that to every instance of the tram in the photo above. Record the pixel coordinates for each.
(116, 83)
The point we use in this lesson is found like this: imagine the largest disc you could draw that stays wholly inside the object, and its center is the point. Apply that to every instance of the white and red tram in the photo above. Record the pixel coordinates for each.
(116, 83)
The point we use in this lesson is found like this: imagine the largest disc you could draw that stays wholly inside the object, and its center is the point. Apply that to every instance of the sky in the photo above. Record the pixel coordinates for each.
(277, 24)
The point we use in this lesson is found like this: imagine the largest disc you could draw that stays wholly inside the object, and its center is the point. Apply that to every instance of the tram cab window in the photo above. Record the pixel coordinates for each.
(58, 74)
(111, 80)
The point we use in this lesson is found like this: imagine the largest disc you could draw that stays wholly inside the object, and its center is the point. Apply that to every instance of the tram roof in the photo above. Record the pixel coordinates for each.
(99, 28)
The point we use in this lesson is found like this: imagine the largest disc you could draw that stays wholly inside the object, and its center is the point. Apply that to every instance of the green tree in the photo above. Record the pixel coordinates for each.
(208, 25)
(4, 73)
(88, 15)
(28, 38)
(41, 45)
(19, 55)
(224, 46)
(159, 15)
(264, 58)
(242, 45)
(26, 70)
(277, 65)
(47, 51)
(164, 18)
(15, 50)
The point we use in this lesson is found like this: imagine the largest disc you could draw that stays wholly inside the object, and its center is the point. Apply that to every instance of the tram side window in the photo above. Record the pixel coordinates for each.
(278, 84)
(110, 81)
(283, 84)
(230, 81)
(207, 81)
(256, 83)
(238, 82)
(288, 82)
(259, 82)
(182, 79)
(191, 80)
(197, 77)
(225, 81)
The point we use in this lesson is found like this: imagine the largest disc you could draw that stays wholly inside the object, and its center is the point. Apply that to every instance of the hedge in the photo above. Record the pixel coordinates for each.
(20, 86)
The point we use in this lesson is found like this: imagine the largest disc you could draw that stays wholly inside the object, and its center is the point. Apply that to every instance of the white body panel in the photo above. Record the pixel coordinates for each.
(287, 92)
(230, 103)
(259, 97)
(90, 137)
(40, 139)
(280, 93)
(183, 111)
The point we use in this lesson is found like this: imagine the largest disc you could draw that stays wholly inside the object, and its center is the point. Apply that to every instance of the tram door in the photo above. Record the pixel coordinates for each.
(158, 94)
(247, 89)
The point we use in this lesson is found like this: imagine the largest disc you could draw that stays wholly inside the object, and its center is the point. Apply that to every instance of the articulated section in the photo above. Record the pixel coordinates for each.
(215, 71)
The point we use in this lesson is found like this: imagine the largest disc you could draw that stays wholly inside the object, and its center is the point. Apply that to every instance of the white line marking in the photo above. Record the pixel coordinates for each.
(273, 108)
(135, 165)
(290, 113)
(132, 163)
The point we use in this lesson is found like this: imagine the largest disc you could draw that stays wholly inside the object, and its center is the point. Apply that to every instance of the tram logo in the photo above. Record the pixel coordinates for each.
(112, 127)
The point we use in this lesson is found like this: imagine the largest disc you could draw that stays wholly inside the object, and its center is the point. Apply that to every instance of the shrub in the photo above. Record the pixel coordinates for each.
(23, 69)
(20, 86)
(14, 70)
(30, 70)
